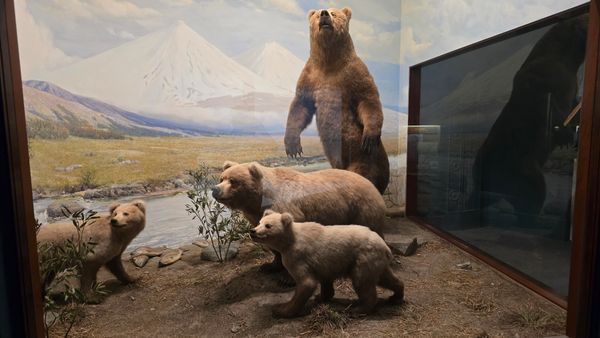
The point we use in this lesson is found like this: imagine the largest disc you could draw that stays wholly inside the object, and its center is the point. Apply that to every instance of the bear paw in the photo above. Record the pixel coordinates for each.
(282, 311)
(292, 146)
(370, 142)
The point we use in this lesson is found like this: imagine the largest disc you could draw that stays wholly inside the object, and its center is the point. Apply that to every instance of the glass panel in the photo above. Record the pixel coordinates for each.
(497, 147)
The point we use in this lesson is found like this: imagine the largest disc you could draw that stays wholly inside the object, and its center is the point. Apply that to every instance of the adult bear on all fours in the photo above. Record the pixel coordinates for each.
(530, 126)
(328, 197)
(337, 86)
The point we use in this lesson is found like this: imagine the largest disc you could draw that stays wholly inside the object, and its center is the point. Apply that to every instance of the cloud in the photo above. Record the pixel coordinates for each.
(286, 6)
(36, 45)
(373, 43)
(434, 27)
(104, 9)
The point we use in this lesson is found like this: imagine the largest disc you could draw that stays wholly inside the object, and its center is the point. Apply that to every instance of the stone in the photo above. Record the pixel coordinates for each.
(149, 251)
(407, 248)
(201, 243)
(192, 254)
(235, 328)
(394, 212)
(465, 266)
(209, 254)
(169, 257)
(140, 260)
(54, 210)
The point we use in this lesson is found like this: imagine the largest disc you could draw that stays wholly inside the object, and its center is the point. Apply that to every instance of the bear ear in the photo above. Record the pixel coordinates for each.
(113, 207)
(255, 172)
(287, 219)
(310, 13)
(229, 164)
(348, 12)
(268, 212)
(140, 205)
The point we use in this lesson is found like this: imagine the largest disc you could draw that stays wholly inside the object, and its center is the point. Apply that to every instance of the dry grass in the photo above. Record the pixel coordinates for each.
(533, 317)
(143, 159)
(323, 319)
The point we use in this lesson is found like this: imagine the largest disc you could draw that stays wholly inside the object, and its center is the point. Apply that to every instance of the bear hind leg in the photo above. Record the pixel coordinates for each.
(365, 288)
(389, 281)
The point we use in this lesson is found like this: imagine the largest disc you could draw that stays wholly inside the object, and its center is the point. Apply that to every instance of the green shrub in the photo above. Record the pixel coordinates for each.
(59, 265)
(217, 223)
(87, 178)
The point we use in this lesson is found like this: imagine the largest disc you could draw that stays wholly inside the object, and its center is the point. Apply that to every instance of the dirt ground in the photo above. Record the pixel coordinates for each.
(194, 298)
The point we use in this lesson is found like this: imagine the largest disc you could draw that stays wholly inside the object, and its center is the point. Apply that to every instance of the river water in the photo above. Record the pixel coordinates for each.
(167, 221)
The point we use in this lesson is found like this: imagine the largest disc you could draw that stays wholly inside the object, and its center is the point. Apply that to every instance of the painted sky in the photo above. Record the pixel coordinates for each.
(53, 33)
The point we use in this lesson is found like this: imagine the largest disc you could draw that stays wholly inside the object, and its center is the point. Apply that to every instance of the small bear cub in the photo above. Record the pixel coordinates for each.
(316, 254)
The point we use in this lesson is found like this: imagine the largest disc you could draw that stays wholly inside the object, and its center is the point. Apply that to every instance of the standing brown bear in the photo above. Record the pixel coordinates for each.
(337, 86)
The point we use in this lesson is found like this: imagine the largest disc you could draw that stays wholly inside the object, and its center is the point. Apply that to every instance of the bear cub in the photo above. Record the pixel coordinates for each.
(111, 235)
(316, 254)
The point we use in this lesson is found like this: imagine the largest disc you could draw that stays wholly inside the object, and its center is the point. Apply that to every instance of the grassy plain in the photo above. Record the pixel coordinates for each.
(148, 159)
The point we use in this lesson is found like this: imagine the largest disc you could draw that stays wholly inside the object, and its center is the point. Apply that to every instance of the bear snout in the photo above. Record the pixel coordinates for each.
(324, 13)
(113, 221)
(216, 192)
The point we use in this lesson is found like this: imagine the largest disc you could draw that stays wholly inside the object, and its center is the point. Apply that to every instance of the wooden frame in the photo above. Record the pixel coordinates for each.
(17, 232)
(583, 314)
(412, 154)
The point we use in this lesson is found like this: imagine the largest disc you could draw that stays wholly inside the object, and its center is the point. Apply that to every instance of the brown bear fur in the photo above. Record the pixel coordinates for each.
(112, 234)
(314, 254)
(337, 86)
(509, 163)
(328, 196)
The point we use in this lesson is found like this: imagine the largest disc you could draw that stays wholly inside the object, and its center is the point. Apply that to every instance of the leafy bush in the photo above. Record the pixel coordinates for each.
(216, 222)
(87, 178)
(59, 265)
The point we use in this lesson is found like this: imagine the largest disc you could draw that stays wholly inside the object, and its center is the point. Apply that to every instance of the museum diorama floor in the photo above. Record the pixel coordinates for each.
(448, 294)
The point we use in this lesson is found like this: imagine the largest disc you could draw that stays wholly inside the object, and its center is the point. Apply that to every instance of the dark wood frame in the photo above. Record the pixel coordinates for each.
(583, 314)
(412, 154)
(17, 232)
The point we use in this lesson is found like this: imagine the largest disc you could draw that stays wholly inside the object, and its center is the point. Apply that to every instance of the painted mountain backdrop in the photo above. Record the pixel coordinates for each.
(175, 81)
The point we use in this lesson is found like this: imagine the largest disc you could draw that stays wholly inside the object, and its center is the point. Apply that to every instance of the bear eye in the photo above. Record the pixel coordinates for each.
(233, 182)
(268, 226)
(333, 14)
(125, 214)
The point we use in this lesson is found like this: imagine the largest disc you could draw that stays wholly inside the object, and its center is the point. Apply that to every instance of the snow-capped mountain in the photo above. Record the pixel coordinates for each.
(274, 63)
(173, 67)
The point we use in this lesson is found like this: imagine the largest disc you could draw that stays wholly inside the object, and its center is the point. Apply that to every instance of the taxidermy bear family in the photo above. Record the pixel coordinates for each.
(290, 209)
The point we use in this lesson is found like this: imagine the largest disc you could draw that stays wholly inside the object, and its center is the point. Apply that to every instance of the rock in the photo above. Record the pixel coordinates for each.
(209, 254)
(54, 210)
(201, 243)
(404, 248)
(192, 254)
(235, 328)
(148, 251)
(465, 266)
(394, 212)
(169, 257)
(140, 260)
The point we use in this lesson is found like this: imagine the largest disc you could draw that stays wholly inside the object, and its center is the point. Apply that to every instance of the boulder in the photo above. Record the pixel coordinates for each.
(209, 253)
(55, 209)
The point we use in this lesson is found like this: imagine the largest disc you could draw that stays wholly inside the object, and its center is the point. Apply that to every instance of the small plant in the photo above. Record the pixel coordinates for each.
(216, 222)
(59, 265)
(87, 179)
